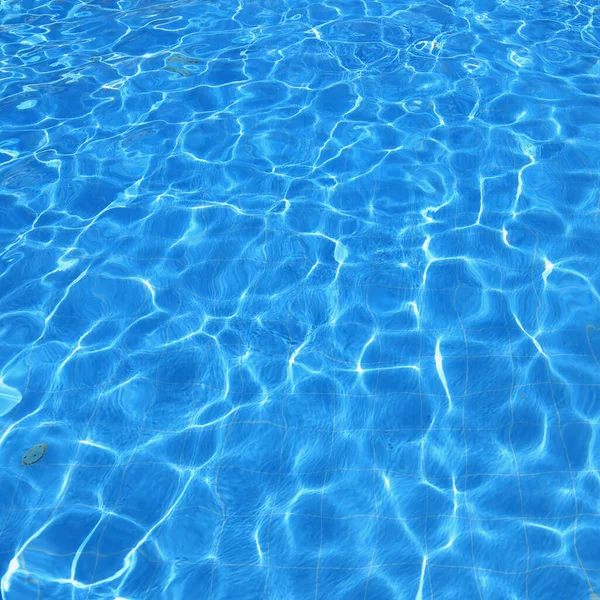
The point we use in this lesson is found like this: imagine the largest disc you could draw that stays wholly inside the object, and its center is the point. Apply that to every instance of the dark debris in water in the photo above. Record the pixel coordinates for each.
(34, 454)
(178, 64)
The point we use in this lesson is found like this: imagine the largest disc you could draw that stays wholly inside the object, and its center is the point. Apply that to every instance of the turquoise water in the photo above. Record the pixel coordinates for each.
(303, 299)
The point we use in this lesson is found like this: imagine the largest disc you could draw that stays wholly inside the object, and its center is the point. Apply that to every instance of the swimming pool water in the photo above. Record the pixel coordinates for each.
(302, 297)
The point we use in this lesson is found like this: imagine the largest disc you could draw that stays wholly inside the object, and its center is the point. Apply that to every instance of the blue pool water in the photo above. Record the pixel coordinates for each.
(302, 297)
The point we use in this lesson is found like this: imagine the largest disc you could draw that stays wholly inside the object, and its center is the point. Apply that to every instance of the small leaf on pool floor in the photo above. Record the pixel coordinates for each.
(34, 454)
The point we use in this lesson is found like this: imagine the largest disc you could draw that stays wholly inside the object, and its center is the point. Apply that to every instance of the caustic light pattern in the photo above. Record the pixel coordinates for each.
(302, 299)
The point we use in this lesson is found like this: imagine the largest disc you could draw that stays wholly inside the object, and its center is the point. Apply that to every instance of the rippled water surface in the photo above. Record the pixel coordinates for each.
(302, 297)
